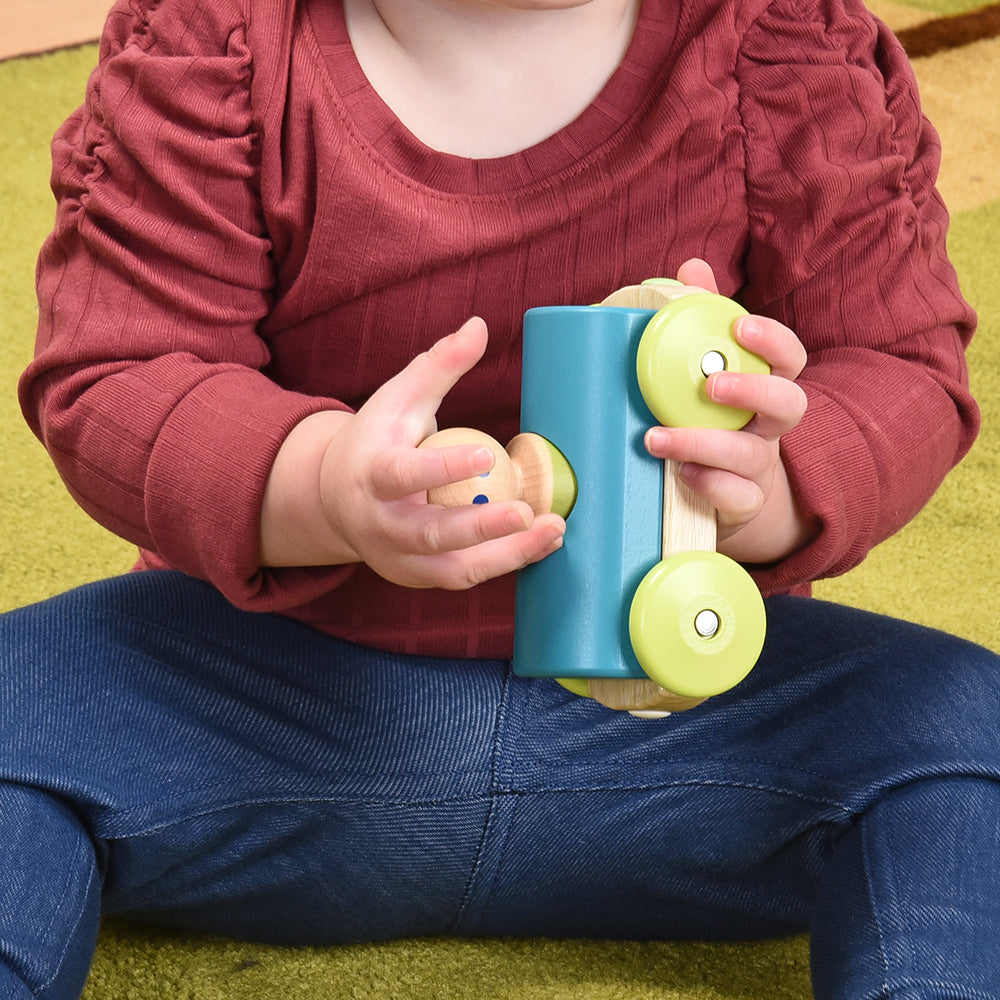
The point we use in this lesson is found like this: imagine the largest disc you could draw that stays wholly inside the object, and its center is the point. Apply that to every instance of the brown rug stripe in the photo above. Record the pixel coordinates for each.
(945, 33)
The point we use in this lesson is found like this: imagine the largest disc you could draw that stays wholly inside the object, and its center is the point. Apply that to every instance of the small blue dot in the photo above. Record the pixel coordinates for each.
(484, 475)
(482, 498)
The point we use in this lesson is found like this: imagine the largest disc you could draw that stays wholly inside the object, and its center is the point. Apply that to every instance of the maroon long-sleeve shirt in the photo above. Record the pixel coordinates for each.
(246, 235)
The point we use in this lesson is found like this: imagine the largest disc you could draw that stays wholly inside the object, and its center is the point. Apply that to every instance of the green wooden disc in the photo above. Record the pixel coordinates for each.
(578, 685)
(663, 281)
(697, 624)
(564, 485)
(683, 341)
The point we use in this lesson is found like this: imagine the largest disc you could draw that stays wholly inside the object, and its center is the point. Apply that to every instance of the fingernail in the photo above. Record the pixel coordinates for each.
(657, 438)
(748, 330)
(722, 387)
(484, 459)
(517, 521)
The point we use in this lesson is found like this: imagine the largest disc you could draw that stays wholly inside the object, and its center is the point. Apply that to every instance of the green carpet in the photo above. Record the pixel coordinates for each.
(938, 571)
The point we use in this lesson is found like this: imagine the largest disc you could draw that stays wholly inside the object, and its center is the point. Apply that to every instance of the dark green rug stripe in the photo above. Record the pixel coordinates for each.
(944, 33)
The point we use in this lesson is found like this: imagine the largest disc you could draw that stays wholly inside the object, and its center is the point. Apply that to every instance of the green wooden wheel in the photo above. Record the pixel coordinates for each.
(578, 685)
(697, 624)
(682, 345)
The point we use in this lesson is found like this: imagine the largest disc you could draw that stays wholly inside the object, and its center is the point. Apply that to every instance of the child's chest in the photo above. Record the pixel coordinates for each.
(382, 245)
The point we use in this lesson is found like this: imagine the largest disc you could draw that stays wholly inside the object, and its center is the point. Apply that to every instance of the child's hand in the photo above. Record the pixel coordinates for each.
(365, 497)
(741, 473)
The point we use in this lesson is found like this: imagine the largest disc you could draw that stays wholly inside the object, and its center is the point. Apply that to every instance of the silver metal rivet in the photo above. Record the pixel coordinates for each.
(712, 362)
(707, 623)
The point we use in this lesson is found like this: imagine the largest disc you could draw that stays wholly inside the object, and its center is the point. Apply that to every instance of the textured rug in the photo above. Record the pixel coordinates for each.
(940, 570)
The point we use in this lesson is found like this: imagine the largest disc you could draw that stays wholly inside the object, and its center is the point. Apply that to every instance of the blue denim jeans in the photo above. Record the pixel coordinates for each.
(165, 756)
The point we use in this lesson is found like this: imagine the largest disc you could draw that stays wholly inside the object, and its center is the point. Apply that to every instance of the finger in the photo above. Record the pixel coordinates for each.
(432, 530)
(417, 391)
(402, 472)
(736, 452)
(726, 468)
(774, 342)
(777, 403)
(736, 499)
(699, 273)
(469, 567)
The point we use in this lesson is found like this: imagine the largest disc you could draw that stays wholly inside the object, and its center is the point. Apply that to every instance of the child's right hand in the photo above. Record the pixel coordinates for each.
(352, 488)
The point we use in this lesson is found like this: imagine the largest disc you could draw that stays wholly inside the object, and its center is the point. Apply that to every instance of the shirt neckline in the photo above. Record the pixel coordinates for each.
(588, 137)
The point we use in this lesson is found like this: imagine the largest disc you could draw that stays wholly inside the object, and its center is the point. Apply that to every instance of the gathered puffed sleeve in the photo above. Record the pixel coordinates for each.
(847, 248)
(147, 386)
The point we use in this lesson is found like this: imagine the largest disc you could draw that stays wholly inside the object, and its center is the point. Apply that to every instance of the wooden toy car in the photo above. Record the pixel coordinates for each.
(637, 609)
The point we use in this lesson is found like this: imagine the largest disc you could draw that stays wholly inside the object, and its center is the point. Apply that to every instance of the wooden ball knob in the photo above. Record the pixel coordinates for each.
(501, 483)
(529, 469)
(547, 481)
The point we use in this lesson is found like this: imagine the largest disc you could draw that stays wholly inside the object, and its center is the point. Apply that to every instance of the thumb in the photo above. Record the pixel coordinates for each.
(698, 273)
(415, 394)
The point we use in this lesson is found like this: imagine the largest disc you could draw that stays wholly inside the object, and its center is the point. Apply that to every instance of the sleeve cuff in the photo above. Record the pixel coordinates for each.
(205, 486)
(835, 480)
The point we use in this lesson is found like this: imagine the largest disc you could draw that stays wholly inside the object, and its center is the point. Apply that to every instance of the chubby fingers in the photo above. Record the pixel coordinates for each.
(474, 565)
(404, 471)
(731, 452)
(774, 342)
(459, 547)
(699, 273)
(415, 394)
(776, 400)
(402, 478)
(732, 470)
(426, 529)
(778, 404)
(427, 545)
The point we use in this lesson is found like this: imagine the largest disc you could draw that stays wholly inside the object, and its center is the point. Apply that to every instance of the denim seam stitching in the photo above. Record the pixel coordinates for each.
(685, 783)
(290, 800)
(870, 884)
(495, 788)
(491, 814)
(138, 807)
(81, 840)
(501, 847)
(950, 989)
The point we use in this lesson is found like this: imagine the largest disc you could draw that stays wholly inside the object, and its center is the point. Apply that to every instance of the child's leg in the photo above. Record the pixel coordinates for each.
(909, 905)
(245, 775)
(224, 771)
(853, 779)
(49, 896)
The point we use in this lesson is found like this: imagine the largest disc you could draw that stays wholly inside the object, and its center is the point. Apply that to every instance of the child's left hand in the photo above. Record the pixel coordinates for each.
(741, 473)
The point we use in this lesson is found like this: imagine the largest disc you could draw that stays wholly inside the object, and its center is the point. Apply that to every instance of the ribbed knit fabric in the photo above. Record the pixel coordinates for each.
(246, 235)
